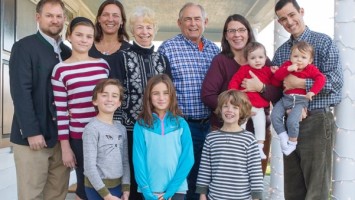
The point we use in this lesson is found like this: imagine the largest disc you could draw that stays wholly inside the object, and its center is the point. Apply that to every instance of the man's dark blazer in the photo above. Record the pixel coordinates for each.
(31, 63)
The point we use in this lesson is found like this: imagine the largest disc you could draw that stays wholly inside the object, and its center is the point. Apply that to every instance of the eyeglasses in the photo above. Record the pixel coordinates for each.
(239, 30)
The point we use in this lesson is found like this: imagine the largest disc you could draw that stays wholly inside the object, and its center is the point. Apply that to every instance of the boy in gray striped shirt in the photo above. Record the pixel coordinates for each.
(230, 165)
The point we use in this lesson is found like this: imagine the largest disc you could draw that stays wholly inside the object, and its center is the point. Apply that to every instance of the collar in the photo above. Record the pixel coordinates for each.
(142, 50)
(54, 43)
(203, 40)
(167, 114)
(302, 37)
(51, 40)
(135, 42)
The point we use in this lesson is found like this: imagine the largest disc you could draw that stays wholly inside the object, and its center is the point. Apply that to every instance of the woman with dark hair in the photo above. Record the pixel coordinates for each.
(237, 33)
(111, 35)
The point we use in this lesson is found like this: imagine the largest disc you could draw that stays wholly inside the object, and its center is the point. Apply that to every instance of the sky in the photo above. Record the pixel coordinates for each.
(318, 16)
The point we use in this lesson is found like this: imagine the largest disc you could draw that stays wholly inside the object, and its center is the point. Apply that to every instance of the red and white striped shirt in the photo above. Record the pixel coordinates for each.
(73, 84)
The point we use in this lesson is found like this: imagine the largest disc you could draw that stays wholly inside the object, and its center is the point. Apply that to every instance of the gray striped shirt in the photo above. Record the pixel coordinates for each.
(230, 167)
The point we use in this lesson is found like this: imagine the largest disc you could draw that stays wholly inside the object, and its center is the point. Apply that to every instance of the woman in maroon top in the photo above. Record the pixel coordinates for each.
(237, 33)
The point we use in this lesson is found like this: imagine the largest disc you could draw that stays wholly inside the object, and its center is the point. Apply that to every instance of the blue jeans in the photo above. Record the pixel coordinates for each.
(92, 194)
(198, 134)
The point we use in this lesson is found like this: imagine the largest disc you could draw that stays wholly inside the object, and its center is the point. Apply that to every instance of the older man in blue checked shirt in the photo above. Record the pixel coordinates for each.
(190, 56)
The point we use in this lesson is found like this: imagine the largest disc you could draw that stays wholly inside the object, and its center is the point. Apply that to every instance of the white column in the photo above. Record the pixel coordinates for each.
(256, 30)
(344, 149)
(280, 35)
(276, 189)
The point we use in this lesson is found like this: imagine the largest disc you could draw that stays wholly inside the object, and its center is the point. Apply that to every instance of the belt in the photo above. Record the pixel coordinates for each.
(200, 121)
(318, 111)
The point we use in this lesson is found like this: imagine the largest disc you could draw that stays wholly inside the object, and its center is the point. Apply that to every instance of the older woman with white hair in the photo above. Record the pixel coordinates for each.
(137, 64)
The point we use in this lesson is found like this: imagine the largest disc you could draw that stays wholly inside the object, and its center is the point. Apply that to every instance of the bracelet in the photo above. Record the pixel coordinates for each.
(262, 89)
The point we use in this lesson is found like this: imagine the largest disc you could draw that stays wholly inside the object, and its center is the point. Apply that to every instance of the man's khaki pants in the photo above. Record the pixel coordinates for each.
(41, 174)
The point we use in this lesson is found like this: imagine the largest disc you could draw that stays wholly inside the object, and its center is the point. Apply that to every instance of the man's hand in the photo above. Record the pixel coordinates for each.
(252, 84)
(310, 95)
(292, 82)
(303, 114)
(36, 142)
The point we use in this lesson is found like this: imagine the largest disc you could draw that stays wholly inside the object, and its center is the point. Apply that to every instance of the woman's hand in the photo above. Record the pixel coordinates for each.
(274, 69)
(252, 84)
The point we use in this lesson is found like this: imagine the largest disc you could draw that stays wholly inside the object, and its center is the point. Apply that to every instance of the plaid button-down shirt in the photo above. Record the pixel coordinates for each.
(189, 67)
(326, 58)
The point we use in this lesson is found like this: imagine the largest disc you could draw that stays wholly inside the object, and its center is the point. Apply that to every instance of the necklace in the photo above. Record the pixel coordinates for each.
(107, 52)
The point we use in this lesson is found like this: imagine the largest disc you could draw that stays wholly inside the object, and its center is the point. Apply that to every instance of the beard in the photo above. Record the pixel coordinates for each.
(52, 31)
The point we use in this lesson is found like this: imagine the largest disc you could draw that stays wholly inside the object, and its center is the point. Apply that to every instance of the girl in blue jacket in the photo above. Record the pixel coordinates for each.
(162, 144)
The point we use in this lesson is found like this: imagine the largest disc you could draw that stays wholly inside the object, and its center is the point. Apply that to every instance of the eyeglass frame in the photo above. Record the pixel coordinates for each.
(239, 30)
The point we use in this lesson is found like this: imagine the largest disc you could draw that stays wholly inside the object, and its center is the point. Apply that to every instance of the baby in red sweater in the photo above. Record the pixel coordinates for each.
(255, 54)
(295, 100)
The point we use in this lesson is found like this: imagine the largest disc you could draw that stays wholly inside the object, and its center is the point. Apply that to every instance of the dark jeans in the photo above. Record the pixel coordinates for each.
(307, 171)
(198, 134)
(92, 194)
(77, 147)
(178, 197)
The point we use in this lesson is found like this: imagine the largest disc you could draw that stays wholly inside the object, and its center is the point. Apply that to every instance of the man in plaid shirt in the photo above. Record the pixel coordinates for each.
(307, 171)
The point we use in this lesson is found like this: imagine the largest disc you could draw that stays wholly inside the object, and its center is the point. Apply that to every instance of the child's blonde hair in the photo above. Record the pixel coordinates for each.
(236, 98)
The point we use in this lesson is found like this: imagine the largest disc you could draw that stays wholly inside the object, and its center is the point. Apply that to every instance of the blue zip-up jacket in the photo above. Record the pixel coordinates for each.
(162, 156)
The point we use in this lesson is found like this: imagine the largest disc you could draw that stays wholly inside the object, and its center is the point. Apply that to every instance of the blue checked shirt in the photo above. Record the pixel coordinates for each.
(326, 58)
(189, 67)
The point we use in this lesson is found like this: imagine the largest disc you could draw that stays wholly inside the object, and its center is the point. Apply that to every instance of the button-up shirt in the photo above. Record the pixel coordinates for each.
(55, 44)
(189, 67)
(326, 58)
